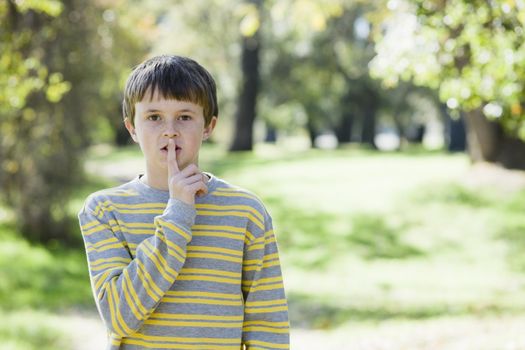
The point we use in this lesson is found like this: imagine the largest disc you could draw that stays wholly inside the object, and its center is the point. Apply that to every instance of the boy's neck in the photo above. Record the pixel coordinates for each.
(156, 182)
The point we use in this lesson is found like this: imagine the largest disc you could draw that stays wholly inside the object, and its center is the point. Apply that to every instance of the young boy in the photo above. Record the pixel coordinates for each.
(178, 258)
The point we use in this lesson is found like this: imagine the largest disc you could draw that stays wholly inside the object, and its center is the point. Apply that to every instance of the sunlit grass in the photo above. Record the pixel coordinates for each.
(364, 237)
(36, 277)
(32, 330)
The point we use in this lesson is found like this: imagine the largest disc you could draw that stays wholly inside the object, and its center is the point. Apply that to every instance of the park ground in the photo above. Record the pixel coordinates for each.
(417, 250)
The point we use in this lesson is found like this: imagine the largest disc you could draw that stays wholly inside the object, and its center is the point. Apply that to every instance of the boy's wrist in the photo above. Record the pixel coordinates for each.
(180, 212)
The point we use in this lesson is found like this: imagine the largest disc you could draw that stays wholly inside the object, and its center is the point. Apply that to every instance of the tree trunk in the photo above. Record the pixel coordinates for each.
(369, 129)
(483, 137)
(454, 133)
(344, 131)
(271, 134)
(312, 131)
(488, 142)
(247, 102)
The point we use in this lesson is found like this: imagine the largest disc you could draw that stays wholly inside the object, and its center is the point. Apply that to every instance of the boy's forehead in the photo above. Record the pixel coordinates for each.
(157, 99)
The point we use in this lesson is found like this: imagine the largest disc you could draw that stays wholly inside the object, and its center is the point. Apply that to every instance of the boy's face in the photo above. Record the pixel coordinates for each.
(157, 120)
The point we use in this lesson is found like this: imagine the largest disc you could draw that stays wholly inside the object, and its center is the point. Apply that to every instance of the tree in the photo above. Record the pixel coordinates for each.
(473, 53)
(249, 85)
(56, 79)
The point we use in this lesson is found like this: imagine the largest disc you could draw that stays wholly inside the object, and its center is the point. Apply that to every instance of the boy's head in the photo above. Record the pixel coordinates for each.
(173, 77)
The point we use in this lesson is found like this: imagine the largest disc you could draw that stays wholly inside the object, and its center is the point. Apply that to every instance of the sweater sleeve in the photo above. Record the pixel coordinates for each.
(266, 324)
(127, 290)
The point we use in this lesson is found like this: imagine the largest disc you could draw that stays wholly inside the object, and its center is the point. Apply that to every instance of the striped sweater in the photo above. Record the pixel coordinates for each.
(167, 275)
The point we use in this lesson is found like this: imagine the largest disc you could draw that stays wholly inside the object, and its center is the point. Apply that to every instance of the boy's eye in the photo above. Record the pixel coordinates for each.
(184, 117)
(153, 117)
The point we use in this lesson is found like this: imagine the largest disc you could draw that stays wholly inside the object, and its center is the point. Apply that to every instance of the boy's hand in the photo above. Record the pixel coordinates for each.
(186, 183)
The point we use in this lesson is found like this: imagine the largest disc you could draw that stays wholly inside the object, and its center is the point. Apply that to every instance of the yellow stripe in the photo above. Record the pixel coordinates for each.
(185, 339)
(267, 324)
(119, 192)
(112, 311)
(129, 206)
(267, 344)
(134, 231)
(231, 207)
(265, 303)
(131, 225)
(103, 249)
(213, 256)
(207, 279)
(236, 191)
(106, 260)
(134, 295)
(211, 272)
(241, 214)
(161, 258)
(146, 284)
(256, 247)
(193, 248)
(265, 310)
(108, 265)
(218, 234)
(224, 228)
(130, 301)
(264, 287)
(175, 346)
(204, 294)
(226, 194)
(193, 324)
(89, 224)
(152, 283)
(197, 317)
(266, 280)
(265, 329)
(115, 341)
(266, 258)
(153, 257)
(99, 279)
(175, 251)
(121, 321)
(175, 229)
(140, 211)
(99, 228)
(265, 265)
(201, 301)
(102, 243)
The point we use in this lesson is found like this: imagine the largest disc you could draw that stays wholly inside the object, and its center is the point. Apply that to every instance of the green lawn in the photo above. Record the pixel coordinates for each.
(366, 239)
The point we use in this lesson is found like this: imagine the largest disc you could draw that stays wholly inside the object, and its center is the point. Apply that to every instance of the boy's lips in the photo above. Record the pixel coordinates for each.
(165, 149)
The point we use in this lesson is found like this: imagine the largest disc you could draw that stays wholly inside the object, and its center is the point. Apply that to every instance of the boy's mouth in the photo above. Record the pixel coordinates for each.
(165, 148)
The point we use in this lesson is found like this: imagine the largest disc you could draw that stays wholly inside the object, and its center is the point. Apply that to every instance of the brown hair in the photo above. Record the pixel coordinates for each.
(174, 77)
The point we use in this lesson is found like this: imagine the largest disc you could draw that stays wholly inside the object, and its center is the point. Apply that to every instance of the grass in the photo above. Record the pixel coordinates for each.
(31, 330)
(364, 237)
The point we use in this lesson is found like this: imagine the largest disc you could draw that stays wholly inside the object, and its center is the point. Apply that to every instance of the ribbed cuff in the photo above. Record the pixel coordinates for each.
(183, 214)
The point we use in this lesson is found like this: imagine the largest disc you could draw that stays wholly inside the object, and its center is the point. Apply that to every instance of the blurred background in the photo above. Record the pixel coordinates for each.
(385, 137)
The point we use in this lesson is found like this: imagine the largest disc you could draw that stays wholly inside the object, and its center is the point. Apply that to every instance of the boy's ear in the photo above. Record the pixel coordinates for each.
(131, 129)
(209, 129)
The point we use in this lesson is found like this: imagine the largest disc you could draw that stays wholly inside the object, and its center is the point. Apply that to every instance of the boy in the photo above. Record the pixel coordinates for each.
(178, 258)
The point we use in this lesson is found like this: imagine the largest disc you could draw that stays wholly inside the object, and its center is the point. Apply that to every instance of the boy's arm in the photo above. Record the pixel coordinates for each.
(128, 290)
(266, 324)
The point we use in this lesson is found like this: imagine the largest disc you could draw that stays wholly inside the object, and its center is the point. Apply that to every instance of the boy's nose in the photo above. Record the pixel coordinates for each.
(171, 130)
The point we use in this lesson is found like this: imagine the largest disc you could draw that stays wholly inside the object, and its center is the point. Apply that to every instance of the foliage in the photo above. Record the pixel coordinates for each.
(59, 77)
(473, 52)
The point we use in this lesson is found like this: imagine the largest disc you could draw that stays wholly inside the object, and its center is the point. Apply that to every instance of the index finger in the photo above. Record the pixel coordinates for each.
(173, 167)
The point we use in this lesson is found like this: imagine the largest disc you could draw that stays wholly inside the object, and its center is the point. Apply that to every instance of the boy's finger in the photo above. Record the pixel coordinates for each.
(173, 167)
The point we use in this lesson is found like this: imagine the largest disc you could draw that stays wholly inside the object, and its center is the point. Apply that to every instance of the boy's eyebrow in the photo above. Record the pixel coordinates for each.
(153, 110)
